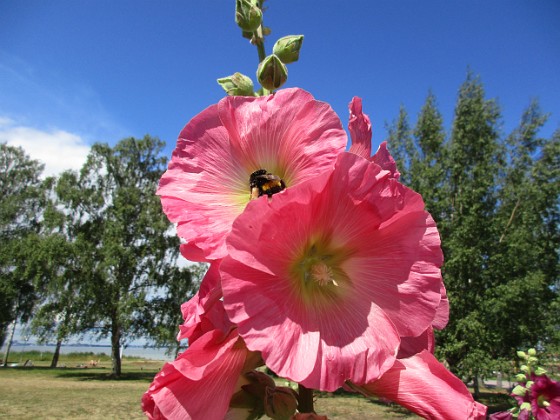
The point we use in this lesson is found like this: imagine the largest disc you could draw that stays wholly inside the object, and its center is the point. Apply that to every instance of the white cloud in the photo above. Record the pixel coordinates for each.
(57, 149)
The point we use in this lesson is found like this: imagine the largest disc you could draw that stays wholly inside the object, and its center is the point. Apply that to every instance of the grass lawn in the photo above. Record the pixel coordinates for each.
(74, 392)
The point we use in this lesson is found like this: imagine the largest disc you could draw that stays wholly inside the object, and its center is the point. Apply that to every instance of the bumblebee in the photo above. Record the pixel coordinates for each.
(261, 182)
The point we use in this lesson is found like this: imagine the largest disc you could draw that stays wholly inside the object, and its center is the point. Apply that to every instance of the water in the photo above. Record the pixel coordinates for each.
(136, 351)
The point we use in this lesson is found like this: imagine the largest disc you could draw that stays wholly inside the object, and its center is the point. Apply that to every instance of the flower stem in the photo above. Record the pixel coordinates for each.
(305, 399)
(259, 43)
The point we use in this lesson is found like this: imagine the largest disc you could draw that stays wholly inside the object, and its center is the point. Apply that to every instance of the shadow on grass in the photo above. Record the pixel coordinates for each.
(89, 374)
(396, 410)
(93, 375)
(497, 401)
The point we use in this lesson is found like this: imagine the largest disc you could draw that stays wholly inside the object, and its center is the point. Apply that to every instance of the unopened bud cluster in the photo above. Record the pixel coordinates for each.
(272, 72)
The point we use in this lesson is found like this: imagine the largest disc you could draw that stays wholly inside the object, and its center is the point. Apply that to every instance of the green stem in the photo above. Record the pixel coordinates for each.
(258, 40)
(305, 399)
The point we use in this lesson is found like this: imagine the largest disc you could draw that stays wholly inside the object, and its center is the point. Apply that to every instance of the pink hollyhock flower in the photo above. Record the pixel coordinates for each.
(359, 126)
(326, 278)
(200, 382)
(204, 311)
(545, 398)
(423, 385)
(288, 135)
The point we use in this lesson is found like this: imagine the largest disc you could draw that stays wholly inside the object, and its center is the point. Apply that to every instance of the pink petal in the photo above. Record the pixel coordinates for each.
(423, 385)
(384, 159)
(205, 312)
(360, 129)
(413, 345)
(206, 186)
(442, 313)
(200, 382)
(389, 249)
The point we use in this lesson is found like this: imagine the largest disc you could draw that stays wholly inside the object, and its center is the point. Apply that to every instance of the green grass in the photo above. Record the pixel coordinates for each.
(89, 392)
(74, 392)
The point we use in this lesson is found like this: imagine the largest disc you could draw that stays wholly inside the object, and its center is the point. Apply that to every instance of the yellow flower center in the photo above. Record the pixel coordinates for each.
(317, 274)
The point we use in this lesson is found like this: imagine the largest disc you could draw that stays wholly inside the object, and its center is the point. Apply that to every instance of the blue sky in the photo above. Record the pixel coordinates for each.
(75, 72)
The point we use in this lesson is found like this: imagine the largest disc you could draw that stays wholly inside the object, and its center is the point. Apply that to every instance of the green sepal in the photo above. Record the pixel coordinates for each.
(272, 73)
(287, 48)
(248, 15)
(519, 390)
(237, 85)
(539, 371)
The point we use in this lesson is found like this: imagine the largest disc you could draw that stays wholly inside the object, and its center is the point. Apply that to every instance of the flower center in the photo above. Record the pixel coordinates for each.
(542, 402)
(322, 274)
(262, 182)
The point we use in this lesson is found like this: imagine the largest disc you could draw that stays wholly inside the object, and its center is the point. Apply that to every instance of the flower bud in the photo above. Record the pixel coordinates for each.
(539, 371)
(287, 48)
(520, 377)
(524, 368)
(519, 390)
(525, 406)
(237, 85)
(532, 352)
(280, 403)
(529, 384)
(272, 73)
(248, 15)
(521, 355)
(533, 360)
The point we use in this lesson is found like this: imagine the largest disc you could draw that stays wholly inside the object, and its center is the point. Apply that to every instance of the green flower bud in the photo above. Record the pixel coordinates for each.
(248, 15)
(521, 355)
(529, 384)
(287, 48)
(237, 85)
(532, 352)
(524, 368)
(525, 406)
(519, 390)
(533, 360)
(280, 403)
(539, 371)
(272, 73)
(520, 377)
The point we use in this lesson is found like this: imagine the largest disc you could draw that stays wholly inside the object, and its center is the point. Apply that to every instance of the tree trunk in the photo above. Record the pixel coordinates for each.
(476, 386)
(9, 344)
(116, 347)
(56, 354)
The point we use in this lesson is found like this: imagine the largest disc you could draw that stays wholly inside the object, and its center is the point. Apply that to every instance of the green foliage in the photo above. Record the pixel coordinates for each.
(20, 203)
(162, 313)
(496, 202)
(118, 249)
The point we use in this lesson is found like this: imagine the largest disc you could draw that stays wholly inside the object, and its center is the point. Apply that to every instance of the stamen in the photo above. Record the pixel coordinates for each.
(322, 274)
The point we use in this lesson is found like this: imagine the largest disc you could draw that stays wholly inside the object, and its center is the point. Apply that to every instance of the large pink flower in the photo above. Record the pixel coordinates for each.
(327, 277)
(424, 386)
(289, 134)
(200, 382)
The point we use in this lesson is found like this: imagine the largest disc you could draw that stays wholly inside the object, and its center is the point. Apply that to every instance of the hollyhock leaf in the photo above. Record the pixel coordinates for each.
(200, 382)
(325, 278)
(359, 126)
(206, 186)
(424, 386)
